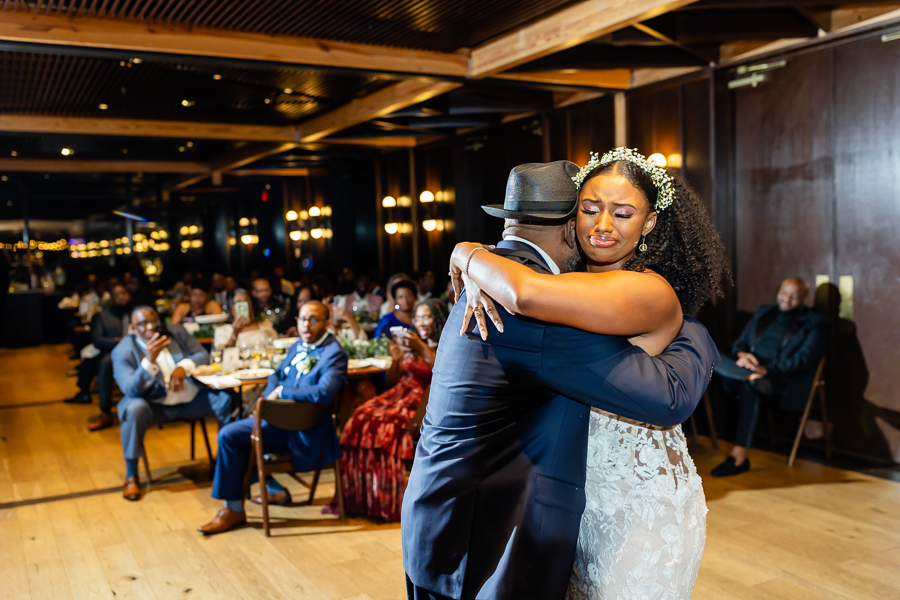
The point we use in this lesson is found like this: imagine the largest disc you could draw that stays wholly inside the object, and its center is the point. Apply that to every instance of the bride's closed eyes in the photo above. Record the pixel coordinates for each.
(623, 211)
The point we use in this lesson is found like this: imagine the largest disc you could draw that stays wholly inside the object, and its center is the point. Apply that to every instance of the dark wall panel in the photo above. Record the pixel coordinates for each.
(654, 121)
(784, 199)
(696, 130)
(867, 246)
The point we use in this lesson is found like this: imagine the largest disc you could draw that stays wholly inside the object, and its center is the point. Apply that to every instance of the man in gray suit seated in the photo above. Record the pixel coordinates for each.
(153, 368)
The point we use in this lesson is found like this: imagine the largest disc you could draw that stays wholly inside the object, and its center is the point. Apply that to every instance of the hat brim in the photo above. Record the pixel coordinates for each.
(497, 210)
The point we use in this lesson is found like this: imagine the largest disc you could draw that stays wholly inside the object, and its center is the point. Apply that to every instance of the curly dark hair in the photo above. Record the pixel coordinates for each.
(684, 247)
(438, 313)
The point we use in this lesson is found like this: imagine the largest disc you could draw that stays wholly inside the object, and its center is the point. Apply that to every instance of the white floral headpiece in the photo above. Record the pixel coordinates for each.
(661, 179)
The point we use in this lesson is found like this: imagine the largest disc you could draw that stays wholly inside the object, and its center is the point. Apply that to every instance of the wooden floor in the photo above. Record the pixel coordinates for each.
(801, 534)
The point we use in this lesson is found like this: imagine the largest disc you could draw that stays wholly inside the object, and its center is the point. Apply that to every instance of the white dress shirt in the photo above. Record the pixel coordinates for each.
(166, 364)
(554, 268)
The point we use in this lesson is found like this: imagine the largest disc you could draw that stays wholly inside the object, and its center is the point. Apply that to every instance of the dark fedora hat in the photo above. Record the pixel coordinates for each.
(541, 192)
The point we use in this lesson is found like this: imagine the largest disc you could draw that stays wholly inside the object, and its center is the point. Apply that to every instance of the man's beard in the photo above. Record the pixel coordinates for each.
(575, 264)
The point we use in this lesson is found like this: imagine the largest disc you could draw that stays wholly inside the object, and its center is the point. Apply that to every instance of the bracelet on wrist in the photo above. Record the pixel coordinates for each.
(469, 259)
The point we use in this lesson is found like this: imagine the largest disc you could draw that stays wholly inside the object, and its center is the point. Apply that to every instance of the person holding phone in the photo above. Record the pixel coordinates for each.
(243, 329)
(377, 439)
(153, 368)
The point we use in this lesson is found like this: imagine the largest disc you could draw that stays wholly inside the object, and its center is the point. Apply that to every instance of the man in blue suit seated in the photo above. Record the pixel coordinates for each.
(494, 501)
(314, 370)
(153, 368)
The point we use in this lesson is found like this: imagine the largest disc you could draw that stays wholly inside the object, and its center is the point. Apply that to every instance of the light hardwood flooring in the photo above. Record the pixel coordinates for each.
(775, 533)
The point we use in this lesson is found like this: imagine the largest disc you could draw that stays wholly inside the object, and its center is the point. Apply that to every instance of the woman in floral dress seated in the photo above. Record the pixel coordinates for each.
(377, 439)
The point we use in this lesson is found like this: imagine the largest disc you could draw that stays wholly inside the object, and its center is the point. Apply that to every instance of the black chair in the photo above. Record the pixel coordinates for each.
(709, 418)
(193, 423)
(290, 416)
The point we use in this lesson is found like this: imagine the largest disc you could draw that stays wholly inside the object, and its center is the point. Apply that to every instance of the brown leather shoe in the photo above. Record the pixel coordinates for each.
(102, 422)
(132, 488)
(224, 520)
(282, 498)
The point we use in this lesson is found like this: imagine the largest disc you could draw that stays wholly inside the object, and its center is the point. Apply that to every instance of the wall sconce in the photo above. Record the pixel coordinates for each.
(247, 239)
(295, 235)
(392, 228)
(316, 233)
(291, 215)
(232, 241)
(244, 222)
(389, 202)
(404, 201)
(674, 161)
(304, 215)
(433, 225)
(426, 196)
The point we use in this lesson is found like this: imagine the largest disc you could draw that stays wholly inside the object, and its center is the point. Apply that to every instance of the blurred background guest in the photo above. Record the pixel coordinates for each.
(268, 305)
(244, 330)
(219, 292)
(388, 305)
(182, 288)
(108, 327)
(305, 293)
(377, 438)
(426, 285)
(284, 286)
(774, 361)
(404, 292)
(197, 303)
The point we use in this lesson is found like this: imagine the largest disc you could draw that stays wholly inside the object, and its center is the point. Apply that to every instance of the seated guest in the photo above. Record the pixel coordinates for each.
(305, 293)
(426, 285)
(285, 286)
(774, 361)
(218, 291)
(153, 368)
(268, 305)
(377, 440)
(314, 370)
(344, 325)
(405, 293)
(198, 303)
(364, 298)
(245, 329)
(108, 327)
(388, 304)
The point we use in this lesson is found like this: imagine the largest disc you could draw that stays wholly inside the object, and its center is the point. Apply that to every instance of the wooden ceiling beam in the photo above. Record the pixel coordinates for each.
(138, 37)
(619, 79)
(74, 165)
(375, 105)
(575, 25)
(229, 162)
(145, 128)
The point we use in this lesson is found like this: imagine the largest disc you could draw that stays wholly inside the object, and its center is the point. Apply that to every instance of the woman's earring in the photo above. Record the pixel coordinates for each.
(643, 246)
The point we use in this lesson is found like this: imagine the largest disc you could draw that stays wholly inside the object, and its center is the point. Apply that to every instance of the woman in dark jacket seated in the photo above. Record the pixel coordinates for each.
(377, 440)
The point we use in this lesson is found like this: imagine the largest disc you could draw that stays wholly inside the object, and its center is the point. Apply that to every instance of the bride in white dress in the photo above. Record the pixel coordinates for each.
(652, 255)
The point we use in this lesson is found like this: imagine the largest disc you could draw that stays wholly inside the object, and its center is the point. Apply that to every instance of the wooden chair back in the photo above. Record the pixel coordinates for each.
(818, 389)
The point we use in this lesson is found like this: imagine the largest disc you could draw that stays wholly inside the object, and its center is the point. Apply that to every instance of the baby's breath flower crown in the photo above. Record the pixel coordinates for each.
(661, 179)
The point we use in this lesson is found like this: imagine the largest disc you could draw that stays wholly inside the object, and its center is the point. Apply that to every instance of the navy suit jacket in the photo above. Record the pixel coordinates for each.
(323, 384)
(495, 497)
(136, 382)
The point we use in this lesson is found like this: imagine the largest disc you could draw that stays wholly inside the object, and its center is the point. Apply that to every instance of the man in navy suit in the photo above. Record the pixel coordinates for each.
(153, 369)
(494, 501)
(314, 370)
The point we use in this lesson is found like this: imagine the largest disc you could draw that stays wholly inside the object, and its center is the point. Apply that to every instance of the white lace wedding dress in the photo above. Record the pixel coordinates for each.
(644, 526)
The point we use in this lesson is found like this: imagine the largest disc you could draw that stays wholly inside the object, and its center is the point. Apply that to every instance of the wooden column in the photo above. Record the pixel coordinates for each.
(414, 212)
(621, 117)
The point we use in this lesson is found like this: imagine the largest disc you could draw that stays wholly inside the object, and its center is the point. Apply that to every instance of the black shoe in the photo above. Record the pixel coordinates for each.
(79, 398)
(728, 468)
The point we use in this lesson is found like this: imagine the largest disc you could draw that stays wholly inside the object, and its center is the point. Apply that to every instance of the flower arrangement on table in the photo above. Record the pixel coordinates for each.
(358, 349)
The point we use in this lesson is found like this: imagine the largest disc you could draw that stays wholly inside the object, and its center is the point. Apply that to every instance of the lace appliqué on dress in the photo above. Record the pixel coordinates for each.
(644, 525)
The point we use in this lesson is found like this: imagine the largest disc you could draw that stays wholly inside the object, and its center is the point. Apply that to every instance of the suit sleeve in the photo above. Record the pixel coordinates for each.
(132, 379)
(333, 378)
(99, 336)
(807, 356)
(196, 354)
(662, 390)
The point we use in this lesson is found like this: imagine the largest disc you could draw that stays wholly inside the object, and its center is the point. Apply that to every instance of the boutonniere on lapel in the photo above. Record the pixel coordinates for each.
(307, 364)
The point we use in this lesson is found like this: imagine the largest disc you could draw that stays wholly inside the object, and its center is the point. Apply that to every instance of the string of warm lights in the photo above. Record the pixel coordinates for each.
(432, 202)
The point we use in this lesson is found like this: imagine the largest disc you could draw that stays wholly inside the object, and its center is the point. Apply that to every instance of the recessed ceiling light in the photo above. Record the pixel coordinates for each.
(288, 91)
(4, 178)
(67, 152)
(217, 77)
(13, 153)
(136, 61)
(46, 175)
(124, 150)
(187, 102)
(181, 148)
(190, 144)
(103, 106)
(267, 100)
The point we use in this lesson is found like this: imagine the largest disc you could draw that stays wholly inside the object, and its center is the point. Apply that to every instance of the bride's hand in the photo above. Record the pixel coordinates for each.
(479, 304)
(458, 263)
